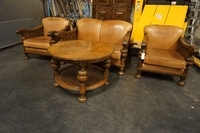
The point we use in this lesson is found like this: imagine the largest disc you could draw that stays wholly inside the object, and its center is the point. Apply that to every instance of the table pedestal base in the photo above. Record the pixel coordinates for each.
(79, 78)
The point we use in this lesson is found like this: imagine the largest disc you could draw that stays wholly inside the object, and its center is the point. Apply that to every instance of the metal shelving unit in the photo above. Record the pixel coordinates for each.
(193, 19)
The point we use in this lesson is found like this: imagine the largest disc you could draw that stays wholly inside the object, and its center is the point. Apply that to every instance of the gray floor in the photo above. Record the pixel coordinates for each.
(29, 103)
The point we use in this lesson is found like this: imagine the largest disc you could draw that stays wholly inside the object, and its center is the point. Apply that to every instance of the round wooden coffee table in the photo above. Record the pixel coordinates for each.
(81, 75)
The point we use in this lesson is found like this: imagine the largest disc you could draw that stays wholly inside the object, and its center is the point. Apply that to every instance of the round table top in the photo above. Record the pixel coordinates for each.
(80, 50)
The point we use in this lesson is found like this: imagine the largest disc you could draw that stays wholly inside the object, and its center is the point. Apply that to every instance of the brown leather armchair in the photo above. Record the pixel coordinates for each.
(113, 32)
(164, 51)
(36, 40)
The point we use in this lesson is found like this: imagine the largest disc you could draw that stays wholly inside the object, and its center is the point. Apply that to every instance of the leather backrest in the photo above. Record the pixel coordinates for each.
(54, 24)
(113, 31)
(163, 37)
(89, 29)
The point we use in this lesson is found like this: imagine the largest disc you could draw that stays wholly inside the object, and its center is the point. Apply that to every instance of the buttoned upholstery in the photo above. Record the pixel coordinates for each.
(165, 52)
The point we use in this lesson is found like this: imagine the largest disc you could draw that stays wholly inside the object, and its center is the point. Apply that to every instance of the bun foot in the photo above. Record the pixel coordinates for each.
(181, 83)
(82, 98)
(139, 76)
(120, 72)
(55, 84)
(27, 57)
(107, 83)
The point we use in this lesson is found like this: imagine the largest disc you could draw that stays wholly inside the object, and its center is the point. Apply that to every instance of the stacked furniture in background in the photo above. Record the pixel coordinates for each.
(193, 24)
(112, 9)
(193, 21)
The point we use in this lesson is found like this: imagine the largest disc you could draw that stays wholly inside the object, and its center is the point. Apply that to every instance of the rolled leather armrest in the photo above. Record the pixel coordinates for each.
(30, 32)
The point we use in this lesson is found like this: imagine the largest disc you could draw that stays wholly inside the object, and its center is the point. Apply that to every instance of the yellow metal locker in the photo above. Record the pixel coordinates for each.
(145, 19)
(176, 15)
(160, 14)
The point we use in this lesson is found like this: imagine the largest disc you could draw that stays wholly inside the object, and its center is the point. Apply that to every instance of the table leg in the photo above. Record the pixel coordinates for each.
(55, 65)
(82, 76)
(106, 66)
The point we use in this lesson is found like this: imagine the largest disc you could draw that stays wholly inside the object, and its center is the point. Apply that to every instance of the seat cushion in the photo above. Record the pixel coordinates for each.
(164, 58)
(117, 51)
(41, 42)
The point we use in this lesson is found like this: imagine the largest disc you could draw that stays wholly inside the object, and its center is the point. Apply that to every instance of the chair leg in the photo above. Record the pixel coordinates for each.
(181, 82)
(182, 79)
(26, 56)
(121, 71)
(124, 54)
(138, 75)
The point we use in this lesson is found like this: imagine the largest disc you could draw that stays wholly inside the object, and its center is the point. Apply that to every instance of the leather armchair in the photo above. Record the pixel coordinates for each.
(164, 51)
(113, 32)
(36, 40)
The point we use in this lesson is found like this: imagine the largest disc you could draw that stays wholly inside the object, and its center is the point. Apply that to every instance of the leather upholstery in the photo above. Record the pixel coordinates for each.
(164, 58)
(54, 24)
(111, 32)
(89, 29)
(36, 41)
(41, 42)
(165, 52)
(162, 38)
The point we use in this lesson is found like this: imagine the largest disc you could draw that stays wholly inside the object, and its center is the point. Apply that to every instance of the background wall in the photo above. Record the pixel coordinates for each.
(16, 14)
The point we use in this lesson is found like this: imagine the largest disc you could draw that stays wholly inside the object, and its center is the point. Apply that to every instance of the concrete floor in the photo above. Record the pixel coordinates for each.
(29, 103)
